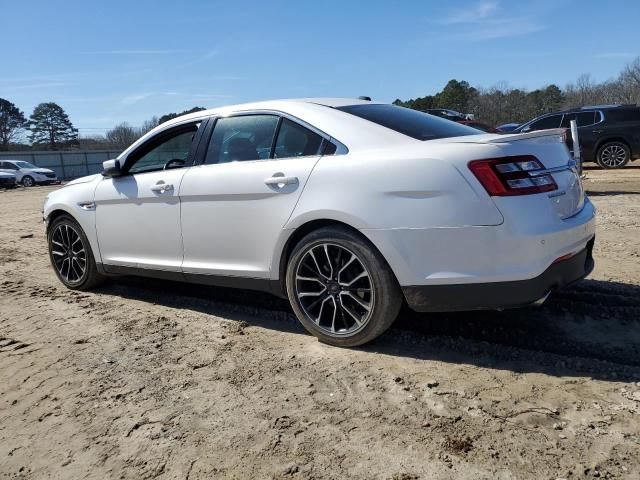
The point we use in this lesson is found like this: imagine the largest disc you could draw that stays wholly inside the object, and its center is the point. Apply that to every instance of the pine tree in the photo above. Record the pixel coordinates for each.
(12, 120)
(51, 128)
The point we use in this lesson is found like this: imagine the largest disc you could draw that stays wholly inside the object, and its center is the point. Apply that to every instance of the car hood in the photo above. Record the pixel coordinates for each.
(6, 174)
(87, 179)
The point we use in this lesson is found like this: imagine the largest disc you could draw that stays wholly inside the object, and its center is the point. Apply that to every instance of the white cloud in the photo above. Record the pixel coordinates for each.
(133, 99)
(480, 12)
(135, 52)
(503, 30)
(487, 21)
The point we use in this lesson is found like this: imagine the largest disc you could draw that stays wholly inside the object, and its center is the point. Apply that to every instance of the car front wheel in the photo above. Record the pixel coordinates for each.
(340, 287)
(28, 181)
(613, 155)
(71, 255)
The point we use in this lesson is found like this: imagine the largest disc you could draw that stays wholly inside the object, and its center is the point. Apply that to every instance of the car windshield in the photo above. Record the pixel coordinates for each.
(22, 164)
(412, 123)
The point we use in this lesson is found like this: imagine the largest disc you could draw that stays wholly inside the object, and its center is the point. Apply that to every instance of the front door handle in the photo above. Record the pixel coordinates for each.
(598, 131)
(280, 181)
(162, 187)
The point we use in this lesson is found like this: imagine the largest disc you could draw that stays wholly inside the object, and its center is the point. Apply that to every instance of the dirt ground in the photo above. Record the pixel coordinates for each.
(151, 379)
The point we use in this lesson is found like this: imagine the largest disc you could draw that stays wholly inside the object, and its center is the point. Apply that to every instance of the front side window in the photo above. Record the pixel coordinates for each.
(168, 150)
(242, 138)
(412, 123)
(296, 141)
(552, 121)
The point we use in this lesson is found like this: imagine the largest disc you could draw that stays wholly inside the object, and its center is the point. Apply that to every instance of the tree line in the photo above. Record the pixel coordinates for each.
(502, 104)
(49, 127)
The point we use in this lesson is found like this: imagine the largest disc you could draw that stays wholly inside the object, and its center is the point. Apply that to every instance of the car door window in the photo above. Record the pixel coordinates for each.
(166, 151)
(584, 119)
(242, 138)
(552, 121)
(8, 166)
(294, 140)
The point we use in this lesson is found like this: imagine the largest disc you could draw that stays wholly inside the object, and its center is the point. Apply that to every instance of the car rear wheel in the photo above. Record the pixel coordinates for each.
(71, 255)
(28, 181)
(340, 287)
(613, 155)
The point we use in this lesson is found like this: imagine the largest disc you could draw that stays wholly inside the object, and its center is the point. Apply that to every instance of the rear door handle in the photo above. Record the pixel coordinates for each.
(598, 131)
(162, 187)
(280, 181)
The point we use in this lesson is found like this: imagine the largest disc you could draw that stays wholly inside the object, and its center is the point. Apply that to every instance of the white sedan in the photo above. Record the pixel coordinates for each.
(347, 207)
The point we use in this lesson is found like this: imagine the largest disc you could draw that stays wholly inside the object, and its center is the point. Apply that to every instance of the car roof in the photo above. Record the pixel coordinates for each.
(598, 107)
(333, 102)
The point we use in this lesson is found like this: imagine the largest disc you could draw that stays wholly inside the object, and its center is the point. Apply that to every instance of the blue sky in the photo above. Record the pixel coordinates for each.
(112, 61)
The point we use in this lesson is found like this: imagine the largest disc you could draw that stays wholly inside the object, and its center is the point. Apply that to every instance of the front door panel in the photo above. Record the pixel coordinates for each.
(138, 220)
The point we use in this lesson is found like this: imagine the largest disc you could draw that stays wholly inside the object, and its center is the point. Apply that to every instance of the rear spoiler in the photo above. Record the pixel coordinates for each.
(508, 138)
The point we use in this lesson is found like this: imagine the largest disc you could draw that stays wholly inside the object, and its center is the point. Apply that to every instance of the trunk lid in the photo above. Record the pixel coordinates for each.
(548, 146)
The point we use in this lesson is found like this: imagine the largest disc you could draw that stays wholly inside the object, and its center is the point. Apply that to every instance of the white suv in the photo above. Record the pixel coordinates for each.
(27, 173)
(347, 207)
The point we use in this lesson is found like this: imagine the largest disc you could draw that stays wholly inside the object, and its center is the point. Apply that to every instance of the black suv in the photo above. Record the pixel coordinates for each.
(609, 135)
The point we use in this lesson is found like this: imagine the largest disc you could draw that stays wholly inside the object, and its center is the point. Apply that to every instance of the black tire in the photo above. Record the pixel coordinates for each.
(612, 155)
(383, 295)
(28, 181)
(90, 276)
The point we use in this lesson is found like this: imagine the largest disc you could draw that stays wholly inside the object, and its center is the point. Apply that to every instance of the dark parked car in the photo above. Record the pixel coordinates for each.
(507, 127)
(448, 114)
(479, 125)
(7, 180)
(609, 135)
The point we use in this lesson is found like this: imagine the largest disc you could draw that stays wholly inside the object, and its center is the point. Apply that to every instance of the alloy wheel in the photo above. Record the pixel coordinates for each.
(68, 253)
(613, 156)
(334, 289)
(27, 181)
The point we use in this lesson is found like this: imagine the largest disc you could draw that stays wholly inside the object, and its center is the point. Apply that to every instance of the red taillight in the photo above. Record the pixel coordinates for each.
(508, 176)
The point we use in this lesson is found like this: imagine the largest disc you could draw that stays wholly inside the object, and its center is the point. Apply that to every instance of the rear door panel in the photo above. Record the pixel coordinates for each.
(231, 219)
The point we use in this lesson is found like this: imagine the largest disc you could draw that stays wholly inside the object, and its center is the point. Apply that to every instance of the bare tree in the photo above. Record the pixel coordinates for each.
(148, 125)
(122, 135)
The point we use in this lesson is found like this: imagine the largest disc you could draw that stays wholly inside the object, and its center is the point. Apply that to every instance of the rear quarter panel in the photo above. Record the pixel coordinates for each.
(383, 189)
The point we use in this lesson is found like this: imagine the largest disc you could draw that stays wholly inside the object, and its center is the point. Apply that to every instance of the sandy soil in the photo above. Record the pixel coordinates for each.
(150, 379)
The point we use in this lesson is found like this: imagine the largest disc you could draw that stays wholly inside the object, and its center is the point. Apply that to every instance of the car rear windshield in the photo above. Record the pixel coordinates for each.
(413, 123)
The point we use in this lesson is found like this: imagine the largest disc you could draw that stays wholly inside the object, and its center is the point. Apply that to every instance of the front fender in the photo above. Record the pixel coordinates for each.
(76, 201)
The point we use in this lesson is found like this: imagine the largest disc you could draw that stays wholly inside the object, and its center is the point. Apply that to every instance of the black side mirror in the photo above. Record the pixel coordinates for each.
(111, 168)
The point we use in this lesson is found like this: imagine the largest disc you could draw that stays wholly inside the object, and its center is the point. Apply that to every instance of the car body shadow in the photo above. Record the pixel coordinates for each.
(589, 329)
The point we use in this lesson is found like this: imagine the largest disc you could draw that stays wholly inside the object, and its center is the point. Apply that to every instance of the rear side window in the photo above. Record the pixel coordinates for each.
(584, 119)
(296, 141)
(242, 138)
(623, 115)
(412, 123)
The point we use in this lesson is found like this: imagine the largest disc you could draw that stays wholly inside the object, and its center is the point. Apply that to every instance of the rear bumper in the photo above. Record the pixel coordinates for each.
(499, 295)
